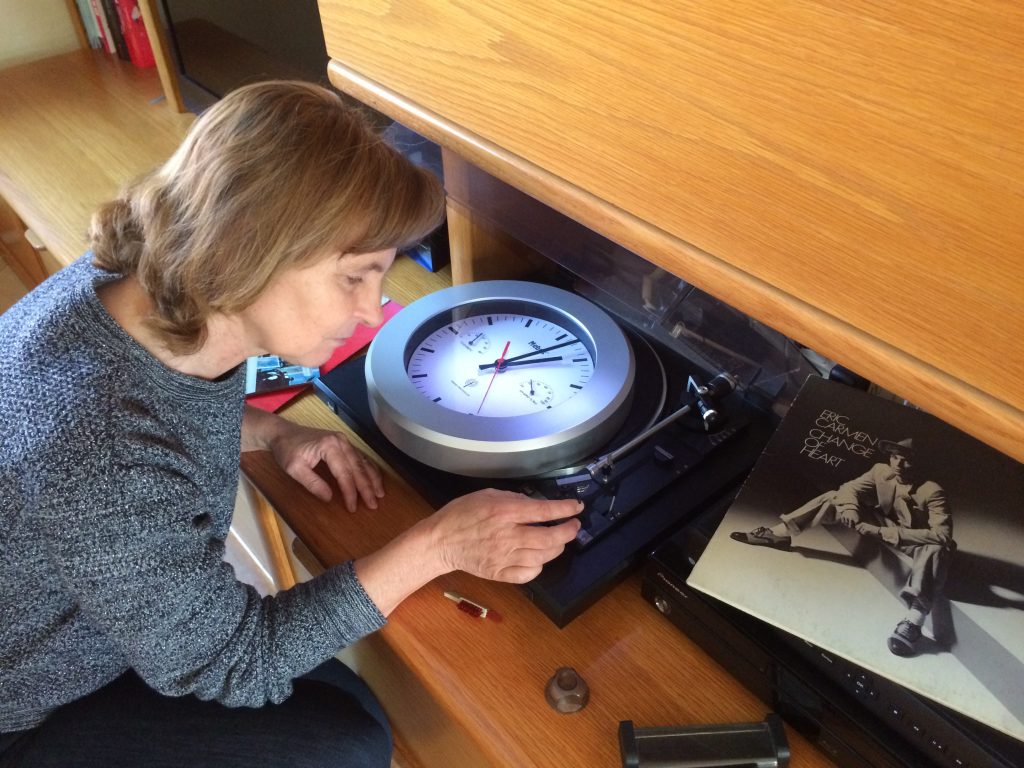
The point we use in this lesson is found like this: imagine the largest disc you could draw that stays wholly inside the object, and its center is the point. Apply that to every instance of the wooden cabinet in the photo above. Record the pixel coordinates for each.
(850, 174)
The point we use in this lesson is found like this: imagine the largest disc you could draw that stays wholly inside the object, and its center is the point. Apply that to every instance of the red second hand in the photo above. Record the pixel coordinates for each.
(497, 367)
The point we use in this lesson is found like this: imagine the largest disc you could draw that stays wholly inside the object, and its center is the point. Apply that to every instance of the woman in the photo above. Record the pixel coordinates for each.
(122, 632)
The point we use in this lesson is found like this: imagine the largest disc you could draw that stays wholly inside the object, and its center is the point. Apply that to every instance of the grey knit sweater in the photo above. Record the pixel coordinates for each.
(117, 481)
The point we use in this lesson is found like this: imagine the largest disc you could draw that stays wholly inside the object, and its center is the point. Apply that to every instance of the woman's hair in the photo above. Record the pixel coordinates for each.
(275, 175)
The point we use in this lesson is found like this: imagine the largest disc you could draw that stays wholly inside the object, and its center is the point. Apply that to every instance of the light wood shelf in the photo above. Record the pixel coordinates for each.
(73, 130)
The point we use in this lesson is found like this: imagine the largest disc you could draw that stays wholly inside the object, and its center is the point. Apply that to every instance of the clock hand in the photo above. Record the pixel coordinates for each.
(510, 363)
(531, 354)
(497, 369)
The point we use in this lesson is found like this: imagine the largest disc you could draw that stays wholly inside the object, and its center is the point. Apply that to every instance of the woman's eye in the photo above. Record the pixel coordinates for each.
(353, 279)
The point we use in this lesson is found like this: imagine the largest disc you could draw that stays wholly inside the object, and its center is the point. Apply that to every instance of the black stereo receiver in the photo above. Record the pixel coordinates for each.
(855, 717)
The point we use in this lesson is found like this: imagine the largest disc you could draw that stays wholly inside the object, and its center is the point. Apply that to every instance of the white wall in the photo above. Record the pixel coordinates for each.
(34, 29)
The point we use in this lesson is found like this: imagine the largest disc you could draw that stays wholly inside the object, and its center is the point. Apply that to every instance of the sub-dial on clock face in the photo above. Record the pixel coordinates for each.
(457, 365)
(475, 340)
(536, 391)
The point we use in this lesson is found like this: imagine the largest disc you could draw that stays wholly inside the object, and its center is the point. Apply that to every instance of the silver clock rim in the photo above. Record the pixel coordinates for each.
(528, 445)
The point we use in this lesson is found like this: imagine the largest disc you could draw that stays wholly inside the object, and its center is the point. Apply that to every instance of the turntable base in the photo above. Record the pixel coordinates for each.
(663, 483)
(461, 691)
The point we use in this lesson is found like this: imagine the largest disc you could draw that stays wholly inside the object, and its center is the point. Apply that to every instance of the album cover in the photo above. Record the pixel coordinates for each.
(881, 534)
(269, 373)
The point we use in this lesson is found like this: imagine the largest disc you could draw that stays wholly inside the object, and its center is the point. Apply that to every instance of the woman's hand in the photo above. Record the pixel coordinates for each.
(495, 534)
(300, 449)
(491, 534)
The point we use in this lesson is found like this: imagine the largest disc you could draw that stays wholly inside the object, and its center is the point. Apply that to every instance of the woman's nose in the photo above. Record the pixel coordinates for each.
(372, 313)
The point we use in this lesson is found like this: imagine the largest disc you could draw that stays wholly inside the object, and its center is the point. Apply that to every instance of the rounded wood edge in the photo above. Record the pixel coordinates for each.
(968, 408)
(267, 522)
(161, 46)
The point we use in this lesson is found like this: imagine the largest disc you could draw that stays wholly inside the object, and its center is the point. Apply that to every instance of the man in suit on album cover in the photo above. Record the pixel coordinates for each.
(892, 503)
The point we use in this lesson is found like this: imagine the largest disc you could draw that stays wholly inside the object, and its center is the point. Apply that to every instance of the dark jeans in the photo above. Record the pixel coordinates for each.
(332, 719)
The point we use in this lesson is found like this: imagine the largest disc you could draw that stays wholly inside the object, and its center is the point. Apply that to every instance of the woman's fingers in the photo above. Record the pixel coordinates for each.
(301, 449)
(357, 476)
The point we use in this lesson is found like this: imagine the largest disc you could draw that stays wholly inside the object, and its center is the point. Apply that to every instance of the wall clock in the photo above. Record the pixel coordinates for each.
(500, 379)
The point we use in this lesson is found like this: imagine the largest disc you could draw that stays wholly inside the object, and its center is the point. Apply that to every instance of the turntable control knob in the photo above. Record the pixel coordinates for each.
(662, 605)
(566, 691)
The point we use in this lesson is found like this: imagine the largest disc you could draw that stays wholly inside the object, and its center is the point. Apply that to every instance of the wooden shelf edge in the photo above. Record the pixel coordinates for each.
(52, 236)
(161, 46)
(966, 407)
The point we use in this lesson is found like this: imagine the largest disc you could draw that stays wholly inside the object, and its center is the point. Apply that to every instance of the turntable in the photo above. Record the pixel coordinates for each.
(627, 422)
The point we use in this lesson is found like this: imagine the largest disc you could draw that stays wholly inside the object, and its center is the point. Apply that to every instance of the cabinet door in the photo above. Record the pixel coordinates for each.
(851, 174)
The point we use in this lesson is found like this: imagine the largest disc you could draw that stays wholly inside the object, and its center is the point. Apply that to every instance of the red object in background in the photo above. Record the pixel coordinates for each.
(133, 28)
(271, 401)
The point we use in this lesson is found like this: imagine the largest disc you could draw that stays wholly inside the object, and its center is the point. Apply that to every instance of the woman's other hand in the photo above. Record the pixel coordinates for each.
(300, 449)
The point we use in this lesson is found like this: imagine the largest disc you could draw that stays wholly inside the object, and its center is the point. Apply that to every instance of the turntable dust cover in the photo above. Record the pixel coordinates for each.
(881, 534)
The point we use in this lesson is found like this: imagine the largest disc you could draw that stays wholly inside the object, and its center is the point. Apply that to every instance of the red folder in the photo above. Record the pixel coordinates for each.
(133, 28)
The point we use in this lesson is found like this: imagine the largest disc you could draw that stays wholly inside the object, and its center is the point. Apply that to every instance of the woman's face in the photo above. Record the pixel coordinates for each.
(305, 313)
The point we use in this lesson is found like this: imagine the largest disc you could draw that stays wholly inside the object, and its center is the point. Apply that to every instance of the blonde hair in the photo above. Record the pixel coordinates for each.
(276, 174)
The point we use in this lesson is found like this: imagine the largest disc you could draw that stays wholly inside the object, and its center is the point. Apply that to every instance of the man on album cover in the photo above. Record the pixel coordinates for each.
(892, 503)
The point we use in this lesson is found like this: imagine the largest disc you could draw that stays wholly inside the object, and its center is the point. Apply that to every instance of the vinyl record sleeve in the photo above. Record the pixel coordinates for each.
(846, 589)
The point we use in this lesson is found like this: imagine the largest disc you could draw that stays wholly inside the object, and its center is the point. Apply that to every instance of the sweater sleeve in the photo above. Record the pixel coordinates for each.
(142, 558)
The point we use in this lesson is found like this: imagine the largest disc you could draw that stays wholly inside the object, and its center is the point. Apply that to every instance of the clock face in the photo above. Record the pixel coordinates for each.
(457, 366)
(499, 378)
